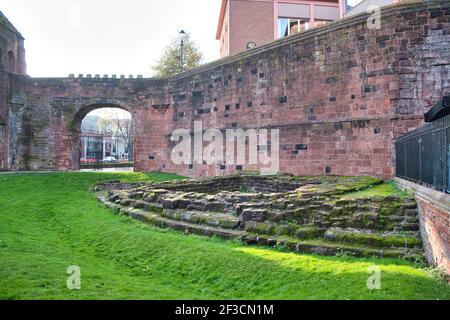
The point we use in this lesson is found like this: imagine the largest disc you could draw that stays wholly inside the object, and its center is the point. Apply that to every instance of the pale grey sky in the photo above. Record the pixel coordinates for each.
(108, 36)
(110, 113)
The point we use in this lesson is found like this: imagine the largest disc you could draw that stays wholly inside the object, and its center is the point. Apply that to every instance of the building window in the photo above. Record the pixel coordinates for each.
(289, 26)
(319, 23)
(350, 4)
(1, 133)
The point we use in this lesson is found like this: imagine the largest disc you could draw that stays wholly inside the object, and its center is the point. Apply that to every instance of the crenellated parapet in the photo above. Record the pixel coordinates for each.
(105, 76)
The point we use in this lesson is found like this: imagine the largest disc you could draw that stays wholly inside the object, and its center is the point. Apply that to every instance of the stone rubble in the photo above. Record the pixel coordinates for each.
(305, 214)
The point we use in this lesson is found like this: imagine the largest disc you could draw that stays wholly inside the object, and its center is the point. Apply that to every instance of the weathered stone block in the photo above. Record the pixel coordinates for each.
(153, 207)
(251, 214)
(307, 233)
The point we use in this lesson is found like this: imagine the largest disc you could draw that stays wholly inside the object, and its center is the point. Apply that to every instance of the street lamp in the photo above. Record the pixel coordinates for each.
(182, 36)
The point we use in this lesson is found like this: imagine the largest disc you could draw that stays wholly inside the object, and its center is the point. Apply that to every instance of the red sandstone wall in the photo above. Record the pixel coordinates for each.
(11, 42)
(343, 93)
(49, 112)
(153, 126)
(436, 228)
(3, 123)
(12, 60)
(434, 210)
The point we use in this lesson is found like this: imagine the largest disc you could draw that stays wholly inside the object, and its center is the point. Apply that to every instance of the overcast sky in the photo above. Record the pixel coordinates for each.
(108, 36)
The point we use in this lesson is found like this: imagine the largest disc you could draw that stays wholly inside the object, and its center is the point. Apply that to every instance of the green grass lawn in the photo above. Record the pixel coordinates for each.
(383, 190)
(49, 222)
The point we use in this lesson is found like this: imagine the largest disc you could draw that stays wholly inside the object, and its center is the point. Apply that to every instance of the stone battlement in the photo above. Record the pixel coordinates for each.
(106, 76)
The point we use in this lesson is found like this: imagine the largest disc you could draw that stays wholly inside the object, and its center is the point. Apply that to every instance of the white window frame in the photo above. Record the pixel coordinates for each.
(299, 20)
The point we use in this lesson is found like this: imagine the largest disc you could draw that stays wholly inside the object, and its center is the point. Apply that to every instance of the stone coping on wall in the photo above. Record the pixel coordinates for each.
(439, 199)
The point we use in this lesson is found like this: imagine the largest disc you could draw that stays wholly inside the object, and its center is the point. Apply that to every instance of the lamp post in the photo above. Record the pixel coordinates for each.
(182, 35)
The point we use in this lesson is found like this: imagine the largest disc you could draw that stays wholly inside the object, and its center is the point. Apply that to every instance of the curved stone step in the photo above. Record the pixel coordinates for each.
(310, 246)
(159, 221)
(373, 239)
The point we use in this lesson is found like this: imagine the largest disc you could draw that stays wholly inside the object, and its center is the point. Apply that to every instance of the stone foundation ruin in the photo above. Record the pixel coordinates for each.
(303, 214)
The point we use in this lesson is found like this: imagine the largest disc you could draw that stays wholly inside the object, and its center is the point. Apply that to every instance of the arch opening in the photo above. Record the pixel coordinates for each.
(11, 61)
(104, 139)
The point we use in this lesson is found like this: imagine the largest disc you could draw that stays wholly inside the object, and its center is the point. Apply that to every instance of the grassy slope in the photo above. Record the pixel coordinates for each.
(51, 221)
(383, 190)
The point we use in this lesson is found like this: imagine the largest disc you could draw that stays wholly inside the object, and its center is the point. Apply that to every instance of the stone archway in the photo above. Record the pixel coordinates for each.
(75, 127)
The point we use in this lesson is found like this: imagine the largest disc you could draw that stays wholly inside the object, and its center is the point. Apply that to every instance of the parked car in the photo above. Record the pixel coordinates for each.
(88, 160)
(109, 159)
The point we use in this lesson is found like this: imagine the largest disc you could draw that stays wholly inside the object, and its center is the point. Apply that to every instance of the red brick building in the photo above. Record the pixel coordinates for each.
(246, 23)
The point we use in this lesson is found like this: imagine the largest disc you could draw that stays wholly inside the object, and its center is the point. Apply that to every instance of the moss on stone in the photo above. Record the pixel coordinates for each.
(402, 241)
(380, 190)
(261, 228)
(372, 239)
(353, 237)
(228, 223)
(389, 207)
(283, 230)
(302, 212)
(307, 233)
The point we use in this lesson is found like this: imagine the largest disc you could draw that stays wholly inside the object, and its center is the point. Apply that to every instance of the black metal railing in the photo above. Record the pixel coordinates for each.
(423, 155)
